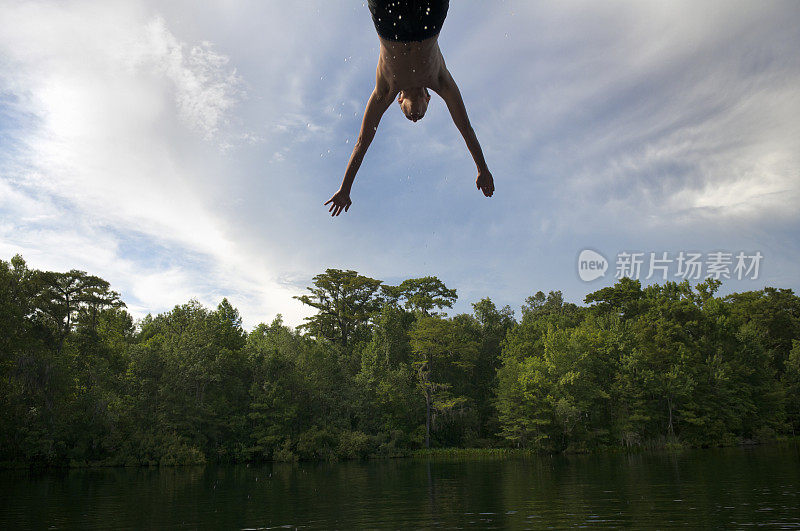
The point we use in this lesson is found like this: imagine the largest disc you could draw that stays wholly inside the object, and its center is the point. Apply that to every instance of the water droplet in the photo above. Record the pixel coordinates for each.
(347, 141)
(506, 35)
(308, 125)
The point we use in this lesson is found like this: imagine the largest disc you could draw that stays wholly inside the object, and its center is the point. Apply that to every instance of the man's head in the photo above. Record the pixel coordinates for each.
(414, 102)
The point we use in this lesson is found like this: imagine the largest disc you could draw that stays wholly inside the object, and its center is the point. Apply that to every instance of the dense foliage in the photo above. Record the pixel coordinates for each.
(380, 370)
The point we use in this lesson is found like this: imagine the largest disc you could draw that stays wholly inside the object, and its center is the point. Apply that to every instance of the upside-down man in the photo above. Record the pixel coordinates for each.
(409, 64)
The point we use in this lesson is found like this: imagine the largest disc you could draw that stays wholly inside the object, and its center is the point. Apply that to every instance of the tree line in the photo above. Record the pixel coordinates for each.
(381, 370)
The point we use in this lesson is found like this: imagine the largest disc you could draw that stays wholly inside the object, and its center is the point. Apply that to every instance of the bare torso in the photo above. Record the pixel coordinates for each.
(403, 65)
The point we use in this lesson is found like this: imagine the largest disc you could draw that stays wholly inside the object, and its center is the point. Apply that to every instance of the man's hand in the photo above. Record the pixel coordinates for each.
(485, 183)
(340, 201)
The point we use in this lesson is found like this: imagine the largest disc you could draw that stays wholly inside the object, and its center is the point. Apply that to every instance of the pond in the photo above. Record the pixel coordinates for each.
(732, 487)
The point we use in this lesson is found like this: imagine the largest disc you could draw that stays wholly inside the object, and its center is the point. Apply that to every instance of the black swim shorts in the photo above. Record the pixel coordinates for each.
(408, 20)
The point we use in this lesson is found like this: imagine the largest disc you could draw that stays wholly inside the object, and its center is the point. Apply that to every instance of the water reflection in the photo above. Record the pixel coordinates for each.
(708, 488)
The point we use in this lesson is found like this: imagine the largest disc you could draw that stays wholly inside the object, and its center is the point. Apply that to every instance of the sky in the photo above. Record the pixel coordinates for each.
(184, 150)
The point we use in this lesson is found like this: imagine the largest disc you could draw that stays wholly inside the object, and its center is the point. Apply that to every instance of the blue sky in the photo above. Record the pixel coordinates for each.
(184, 151)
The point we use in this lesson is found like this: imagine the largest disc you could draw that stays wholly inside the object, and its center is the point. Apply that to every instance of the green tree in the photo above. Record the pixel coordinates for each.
(439, 352)
(423, 294)
(345, 303)
(491, 325)
(791, 385)
(390, 406)
(62, 296)
(278, 392)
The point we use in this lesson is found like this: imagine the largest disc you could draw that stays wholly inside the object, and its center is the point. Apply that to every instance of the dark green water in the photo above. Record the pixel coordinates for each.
(728, 488)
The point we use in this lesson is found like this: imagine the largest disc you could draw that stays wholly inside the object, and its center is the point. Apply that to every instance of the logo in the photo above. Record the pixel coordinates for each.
(591, 265)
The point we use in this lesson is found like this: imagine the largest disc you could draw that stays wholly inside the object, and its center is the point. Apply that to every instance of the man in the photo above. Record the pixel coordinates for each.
(409, 64)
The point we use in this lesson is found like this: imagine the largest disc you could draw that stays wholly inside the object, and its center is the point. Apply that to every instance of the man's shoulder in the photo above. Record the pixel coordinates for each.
(383, 89)
(383, 85)
(444, 80)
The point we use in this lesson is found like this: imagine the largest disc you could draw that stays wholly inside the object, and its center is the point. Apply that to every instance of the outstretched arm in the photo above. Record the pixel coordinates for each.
(449, 92)
(379, 101)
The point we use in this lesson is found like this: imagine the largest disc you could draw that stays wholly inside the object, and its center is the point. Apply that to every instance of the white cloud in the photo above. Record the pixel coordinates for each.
(644, 110)
(204, 90)
(127, 120)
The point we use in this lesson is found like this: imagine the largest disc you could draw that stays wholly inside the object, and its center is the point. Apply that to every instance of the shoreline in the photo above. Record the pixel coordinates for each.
(443, 454)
